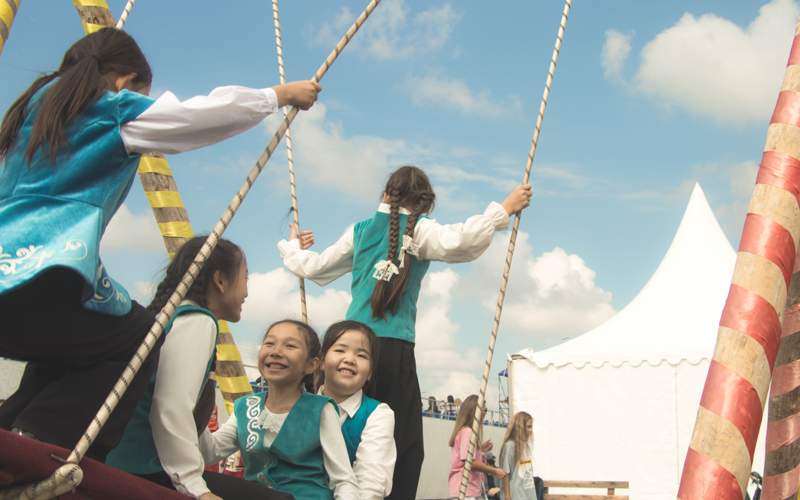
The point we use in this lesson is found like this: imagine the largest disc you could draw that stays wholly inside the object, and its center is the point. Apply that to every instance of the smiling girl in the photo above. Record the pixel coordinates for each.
(367, 424)
(290, 439)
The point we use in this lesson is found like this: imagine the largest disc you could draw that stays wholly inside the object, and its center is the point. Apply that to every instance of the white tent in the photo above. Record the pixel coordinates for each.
(619, 402)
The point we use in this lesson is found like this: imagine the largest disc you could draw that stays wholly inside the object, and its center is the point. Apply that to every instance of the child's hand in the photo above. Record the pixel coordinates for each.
(305, 237)
(487, 446)
(209, 496)
(302, 94)
(499, 473)
(518, 199)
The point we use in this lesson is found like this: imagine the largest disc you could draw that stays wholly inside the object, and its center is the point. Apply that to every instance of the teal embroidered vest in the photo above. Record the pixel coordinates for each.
(136, 452)
(354, 426)
(370, 245)
(54, 213)
(293, 463)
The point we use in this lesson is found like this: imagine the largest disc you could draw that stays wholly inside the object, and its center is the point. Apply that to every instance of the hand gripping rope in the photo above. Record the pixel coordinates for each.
(69, 475)
(289, 151)
(462, 489)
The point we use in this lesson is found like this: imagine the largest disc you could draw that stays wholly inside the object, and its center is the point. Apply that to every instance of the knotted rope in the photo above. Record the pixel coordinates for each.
(289, 152)
(462, 489)
(102, 416)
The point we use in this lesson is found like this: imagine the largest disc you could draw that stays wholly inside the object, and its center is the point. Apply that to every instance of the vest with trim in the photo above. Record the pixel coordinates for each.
(353, 427)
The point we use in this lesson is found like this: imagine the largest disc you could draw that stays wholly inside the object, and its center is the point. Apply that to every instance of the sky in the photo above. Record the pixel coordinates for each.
(648, 99)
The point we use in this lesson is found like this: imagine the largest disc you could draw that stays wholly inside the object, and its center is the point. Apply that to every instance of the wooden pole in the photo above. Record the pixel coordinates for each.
(720, 453)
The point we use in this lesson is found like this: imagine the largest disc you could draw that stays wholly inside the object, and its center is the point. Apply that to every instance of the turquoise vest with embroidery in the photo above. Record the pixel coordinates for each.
(354, 426)
(136, 452)
(54, 213)
(371, 245)
(293, 463)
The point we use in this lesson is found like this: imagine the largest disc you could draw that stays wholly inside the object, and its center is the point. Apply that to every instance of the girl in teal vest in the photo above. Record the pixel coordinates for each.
(388, 255)
(290, 439)
(161, 440)
(367, 424)
(69, 147)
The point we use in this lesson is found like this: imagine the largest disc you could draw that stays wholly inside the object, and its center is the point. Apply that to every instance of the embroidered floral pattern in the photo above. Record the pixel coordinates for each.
(253, 409)
(32, 257)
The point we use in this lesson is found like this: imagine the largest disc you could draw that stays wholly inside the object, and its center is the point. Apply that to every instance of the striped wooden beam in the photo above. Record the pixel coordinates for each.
(173, 223)
(8, 11)
(720, 454)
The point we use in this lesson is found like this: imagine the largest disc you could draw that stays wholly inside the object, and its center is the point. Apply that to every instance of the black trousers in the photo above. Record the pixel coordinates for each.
(394, 381)
(74, 358)
(228, 487)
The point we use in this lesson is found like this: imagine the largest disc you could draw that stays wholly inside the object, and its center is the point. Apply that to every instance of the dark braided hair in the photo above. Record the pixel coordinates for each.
(312, 343)
(226, 258)
(408, 187)
(85, 73)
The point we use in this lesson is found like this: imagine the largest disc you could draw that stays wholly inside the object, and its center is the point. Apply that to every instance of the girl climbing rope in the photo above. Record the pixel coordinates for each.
(70, 145)
(388, 255)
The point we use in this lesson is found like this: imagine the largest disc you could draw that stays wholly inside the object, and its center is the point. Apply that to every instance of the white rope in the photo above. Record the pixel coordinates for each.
(125, 13)
(289, 151)
(188, 279)
(462, 489)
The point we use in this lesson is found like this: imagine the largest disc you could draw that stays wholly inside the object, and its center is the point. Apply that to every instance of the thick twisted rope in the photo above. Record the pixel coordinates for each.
(191, 274)
(8, 11)
(476, 422)
(289, 152)
(125, 13)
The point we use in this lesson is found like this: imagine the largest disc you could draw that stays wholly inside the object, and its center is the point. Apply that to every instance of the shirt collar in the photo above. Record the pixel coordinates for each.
(385, 208)
(351, 404)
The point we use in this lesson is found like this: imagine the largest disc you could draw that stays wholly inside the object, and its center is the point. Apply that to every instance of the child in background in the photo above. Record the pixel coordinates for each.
(70, 146)
(459, 443)
(290, 439)
(389, 254)
(160, 442)
(367, 424)
(516, 458)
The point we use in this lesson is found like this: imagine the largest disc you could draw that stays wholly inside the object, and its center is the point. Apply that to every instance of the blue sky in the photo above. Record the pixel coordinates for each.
(649, 97)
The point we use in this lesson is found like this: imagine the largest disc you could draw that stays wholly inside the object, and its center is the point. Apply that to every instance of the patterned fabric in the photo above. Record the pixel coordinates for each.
(54, 213)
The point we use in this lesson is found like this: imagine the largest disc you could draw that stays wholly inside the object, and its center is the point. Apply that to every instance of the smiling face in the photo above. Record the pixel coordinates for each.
(347, 365)
(283, 359)
(226, 295)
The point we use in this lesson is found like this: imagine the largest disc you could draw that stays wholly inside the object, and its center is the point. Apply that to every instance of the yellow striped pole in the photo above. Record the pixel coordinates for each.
(173, 223)
(8, 10)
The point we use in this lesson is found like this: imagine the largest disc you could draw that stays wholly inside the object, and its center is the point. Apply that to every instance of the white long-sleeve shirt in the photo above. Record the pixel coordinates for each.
(225, 441)
(171, 126)
(444, 242)
(180, 376)
(376, 454)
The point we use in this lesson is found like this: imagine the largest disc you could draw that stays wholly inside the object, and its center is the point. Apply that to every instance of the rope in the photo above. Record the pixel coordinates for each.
(125, 13)
(188, 279)
(510, 254)
(289, 153)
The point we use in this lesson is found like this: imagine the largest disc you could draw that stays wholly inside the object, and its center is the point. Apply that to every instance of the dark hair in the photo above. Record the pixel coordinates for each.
(82, 78)
(226, 258)
(333, 333)
(408, 187)
(312, 343)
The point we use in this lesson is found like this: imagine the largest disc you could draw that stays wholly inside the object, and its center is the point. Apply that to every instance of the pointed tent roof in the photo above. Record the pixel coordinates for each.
(676, 315)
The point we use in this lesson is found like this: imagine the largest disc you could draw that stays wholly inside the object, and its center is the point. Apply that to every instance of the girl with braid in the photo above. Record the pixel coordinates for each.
(388, 255)
(161, 441)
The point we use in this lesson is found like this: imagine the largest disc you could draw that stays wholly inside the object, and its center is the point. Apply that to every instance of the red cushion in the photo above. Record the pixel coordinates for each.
(23, 461)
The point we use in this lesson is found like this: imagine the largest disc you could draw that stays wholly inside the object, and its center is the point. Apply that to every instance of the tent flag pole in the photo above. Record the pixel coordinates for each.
(173, 223)
(720, 454)
(782, 462)
(487, 367)
(8, 11)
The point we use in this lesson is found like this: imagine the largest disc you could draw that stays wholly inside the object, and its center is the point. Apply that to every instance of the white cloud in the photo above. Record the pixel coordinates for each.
(550, 297)
(391, 32)
(455, 94)
(616, 50)
(712, 67)
(144, 291)
(131, 231)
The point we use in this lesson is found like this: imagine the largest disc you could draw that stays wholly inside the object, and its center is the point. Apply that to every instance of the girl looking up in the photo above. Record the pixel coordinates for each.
(69, 146)
(160, 442)
(367, 424)
(516, 458)
(388, 255)
(290, 439)
(459, 443)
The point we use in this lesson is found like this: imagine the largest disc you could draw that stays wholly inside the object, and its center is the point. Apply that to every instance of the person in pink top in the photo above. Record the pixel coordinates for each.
(459, 443)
